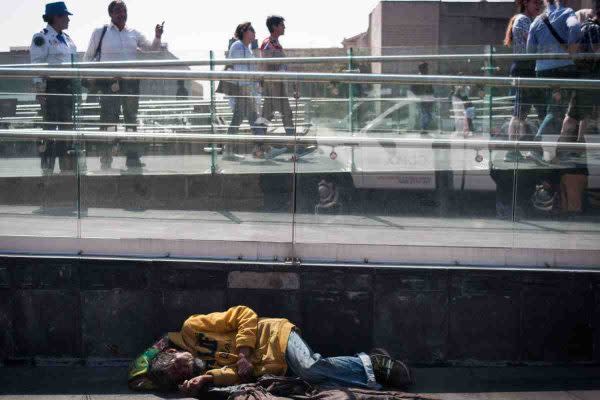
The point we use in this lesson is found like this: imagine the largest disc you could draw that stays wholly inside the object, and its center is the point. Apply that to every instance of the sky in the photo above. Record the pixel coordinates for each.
(192, 27)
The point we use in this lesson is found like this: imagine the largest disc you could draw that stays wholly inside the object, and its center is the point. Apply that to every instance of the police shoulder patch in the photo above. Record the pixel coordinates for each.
(39, 40)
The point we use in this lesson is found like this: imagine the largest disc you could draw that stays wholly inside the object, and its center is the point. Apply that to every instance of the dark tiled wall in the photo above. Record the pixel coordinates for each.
(114, 309)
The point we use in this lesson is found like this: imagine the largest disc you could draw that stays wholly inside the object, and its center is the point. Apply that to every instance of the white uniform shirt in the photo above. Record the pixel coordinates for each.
(119, 45)
(46, 47)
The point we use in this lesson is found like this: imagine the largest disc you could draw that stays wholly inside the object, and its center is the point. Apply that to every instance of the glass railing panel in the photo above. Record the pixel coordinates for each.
(160, 181)
(38, 164)
(417, 171)
(558, 176)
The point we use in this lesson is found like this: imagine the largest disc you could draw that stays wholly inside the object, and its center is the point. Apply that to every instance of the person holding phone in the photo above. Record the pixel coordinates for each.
(118, 42)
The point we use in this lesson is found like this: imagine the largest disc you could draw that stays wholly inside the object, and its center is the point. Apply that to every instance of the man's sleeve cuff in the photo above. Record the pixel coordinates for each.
(251, 343)
(224, 376)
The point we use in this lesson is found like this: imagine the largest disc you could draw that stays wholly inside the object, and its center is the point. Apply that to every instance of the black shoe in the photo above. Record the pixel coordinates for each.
(379, 351)
(390, 372)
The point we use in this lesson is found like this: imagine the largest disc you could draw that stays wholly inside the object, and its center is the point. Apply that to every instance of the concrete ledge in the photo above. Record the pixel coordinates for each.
(308, 252)
(61, 309)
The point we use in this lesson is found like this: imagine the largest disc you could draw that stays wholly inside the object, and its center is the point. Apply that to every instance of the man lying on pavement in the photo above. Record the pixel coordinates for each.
(236, 346)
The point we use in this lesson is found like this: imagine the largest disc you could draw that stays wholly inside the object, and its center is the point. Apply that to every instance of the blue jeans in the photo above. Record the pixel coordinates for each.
(556, 110)
(425, 115)
(333, 371)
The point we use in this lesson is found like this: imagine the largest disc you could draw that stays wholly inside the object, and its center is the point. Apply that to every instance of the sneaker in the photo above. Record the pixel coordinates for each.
(303, 151)
(276, 152)
(534, 155)
(379, 351)
(233, 157)
(133, 170)
(390, 372)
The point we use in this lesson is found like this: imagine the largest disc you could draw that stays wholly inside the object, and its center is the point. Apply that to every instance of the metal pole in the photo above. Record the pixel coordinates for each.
(213, 116)
(490, 89)
(76, 152)
(341, 60)
(351, 108)
(371, 141)
(356, 78)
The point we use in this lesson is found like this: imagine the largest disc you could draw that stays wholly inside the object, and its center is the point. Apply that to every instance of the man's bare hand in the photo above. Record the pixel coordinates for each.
(193, 386)
(245, 369)
(159, 30)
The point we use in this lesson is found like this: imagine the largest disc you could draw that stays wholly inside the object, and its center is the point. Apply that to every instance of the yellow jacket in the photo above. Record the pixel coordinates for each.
(217, 337)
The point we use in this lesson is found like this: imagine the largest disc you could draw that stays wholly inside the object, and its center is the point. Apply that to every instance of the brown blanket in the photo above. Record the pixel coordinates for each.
(286, 388)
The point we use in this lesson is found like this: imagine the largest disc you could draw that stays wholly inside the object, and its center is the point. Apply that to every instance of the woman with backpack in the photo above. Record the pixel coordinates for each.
(557, 30)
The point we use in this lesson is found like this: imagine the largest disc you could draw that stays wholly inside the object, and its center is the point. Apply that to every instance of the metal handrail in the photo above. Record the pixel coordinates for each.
(335, 141)
(314, 60)
(141, 74)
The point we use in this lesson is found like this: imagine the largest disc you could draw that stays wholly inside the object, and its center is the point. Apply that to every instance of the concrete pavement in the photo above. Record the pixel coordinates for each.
(477, 383)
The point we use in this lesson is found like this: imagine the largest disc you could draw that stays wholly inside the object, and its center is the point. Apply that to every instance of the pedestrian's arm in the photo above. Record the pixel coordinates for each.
(144, 43)
(520, 32)
(38, 52)
(574, 34)
(92, 46)
(532, 43)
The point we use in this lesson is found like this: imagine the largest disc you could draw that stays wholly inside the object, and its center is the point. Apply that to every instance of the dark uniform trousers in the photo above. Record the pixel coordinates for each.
(111, 104)
(58, 115)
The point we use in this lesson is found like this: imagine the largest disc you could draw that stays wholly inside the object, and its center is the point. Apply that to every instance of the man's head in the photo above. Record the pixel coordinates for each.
(424, 68)
(57, 16)
(276, 25)
(118, 13)
(172, 367)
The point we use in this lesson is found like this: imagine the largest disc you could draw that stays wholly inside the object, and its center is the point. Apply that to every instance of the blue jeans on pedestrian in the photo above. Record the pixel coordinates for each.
(333, 371)
(556, 109)
(425, 115)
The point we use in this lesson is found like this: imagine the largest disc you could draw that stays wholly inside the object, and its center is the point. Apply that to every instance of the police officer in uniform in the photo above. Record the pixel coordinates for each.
(53, 46)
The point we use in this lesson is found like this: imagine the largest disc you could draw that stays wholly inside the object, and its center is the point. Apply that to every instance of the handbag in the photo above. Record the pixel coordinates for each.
(228, 88)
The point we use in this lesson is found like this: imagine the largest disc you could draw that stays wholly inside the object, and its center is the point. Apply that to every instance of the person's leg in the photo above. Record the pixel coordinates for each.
(66, 157)
(286, 113)
(46, 146)
(572, 188)
(53, 116)
(423, 122)
(516, 131)
(259, 148)
(268, 109)
(554, 107)
(236, 120)
(570, 126)
(131, 104)
(340, 371)
(110, 108)
(278, 101)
